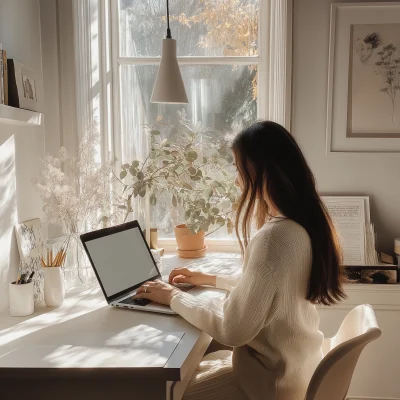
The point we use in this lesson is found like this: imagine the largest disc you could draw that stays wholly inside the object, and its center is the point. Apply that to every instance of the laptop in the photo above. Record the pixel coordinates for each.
(122, 262)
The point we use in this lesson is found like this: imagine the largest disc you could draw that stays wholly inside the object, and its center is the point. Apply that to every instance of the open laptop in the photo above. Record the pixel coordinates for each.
(122, 262)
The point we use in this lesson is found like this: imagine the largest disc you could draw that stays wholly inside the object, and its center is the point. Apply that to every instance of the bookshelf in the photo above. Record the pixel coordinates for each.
(13, 115)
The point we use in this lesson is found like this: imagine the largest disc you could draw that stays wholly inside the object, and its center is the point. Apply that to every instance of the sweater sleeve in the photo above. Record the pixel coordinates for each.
(227, 282)
(236, 320)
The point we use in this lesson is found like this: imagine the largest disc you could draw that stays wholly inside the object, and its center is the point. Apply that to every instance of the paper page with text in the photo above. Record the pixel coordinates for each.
(348, 216)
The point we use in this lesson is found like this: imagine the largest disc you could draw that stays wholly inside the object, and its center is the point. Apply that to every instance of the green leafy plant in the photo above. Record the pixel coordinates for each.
(195, 170)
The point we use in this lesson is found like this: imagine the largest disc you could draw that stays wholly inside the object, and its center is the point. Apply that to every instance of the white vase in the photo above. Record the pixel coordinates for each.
(54, 290)
(21, 299)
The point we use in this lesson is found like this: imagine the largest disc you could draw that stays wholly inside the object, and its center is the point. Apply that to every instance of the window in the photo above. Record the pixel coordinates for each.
(219, 56)
(234, 56)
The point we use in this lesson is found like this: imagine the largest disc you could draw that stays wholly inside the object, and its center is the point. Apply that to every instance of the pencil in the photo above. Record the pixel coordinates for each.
(51, 258)
(43, 263)
(57, 258)
(48, 258)
(63, 258)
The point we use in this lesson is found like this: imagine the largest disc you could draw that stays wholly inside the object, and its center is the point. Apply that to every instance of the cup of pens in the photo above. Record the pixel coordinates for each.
(54, 289)
(21, 296)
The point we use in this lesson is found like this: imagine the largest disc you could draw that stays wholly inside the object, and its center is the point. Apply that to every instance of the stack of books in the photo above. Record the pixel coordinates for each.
(3, 76)
(351, 217)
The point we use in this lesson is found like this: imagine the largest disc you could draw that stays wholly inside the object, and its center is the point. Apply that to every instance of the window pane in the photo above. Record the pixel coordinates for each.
(202, 28)
(221, 100)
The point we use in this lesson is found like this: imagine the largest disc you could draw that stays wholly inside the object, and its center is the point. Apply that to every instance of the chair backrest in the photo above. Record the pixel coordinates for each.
(331, 379)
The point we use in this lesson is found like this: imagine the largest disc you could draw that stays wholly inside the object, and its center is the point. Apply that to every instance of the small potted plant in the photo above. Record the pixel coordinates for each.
(206, 212)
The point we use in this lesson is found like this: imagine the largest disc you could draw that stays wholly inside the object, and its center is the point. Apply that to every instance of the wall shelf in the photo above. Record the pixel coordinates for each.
(18, 116)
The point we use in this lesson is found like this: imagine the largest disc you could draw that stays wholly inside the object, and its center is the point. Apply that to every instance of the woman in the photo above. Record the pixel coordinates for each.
(291, 264)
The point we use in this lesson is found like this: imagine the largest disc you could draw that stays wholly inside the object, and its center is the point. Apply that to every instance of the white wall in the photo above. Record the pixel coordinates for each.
(374, 175)
(374, 376)
(51, 83)
(20, 146)
(57, 31)
(8, 217)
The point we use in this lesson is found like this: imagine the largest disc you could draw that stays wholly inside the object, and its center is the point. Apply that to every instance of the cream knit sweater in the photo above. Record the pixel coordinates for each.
(266, 317)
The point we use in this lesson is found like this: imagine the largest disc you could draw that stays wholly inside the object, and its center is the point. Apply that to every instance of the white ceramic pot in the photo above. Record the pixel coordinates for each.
(54, 290)
(21, 299)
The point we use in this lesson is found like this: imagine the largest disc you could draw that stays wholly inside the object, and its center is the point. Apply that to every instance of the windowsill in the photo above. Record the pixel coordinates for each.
(214, 245)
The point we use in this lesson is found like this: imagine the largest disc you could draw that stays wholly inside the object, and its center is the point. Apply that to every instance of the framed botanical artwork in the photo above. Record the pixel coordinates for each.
(363, 114)
(25, 87)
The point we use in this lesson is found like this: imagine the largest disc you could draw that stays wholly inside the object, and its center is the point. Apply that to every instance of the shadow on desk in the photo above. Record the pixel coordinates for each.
(85, 319)
(64, 326)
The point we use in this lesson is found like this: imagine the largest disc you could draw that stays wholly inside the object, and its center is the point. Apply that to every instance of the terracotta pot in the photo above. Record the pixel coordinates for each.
(186, 240)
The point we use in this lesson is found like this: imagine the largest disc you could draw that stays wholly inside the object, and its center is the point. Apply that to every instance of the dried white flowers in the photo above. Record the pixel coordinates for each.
(76, 190)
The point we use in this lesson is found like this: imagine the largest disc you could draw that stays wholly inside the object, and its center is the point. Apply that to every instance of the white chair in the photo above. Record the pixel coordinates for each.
(331, 379)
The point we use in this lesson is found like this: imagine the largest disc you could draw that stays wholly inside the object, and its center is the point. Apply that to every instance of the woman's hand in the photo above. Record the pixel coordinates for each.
(157, 291)
(196, 278)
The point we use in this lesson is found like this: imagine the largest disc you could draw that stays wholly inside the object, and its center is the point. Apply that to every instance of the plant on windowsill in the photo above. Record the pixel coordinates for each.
(195, 170)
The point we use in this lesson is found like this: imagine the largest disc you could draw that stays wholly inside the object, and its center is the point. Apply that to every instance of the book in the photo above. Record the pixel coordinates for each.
(1, 75)
(386, 258)
(351, 218)
(13, 97)
(5, 77)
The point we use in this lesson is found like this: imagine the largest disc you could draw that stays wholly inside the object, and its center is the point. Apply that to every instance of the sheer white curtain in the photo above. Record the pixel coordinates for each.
(280, 61)
(83, 61)
(95, 75)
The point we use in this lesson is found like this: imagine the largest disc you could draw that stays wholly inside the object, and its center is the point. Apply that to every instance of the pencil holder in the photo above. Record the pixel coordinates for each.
(21, 299)
(54, 290)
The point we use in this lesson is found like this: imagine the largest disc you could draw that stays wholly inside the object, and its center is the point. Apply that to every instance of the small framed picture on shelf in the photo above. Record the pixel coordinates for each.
(25, 89)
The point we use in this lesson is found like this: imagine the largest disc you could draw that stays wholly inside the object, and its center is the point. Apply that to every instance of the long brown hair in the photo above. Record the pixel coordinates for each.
(269, 161)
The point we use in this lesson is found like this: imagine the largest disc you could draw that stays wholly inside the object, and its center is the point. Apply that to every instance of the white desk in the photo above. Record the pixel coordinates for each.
(86, 313)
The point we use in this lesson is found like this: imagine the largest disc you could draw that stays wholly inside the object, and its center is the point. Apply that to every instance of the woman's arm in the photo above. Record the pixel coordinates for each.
(226, 282)
(238, 319)
(197, 278)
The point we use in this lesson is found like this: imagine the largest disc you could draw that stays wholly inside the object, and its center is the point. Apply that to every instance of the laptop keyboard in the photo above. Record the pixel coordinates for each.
(184, 287)
(136, 302)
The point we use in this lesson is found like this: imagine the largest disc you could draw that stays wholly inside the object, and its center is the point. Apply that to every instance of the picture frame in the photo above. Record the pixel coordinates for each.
(30, 243)
(25, 87)
(359, 111)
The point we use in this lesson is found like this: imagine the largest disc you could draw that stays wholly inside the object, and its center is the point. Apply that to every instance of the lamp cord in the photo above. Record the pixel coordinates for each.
(168, 30)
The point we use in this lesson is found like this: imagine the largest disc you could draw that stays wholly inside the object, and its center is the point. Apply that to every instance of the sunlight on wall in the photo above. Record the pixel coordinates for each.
(8, 218)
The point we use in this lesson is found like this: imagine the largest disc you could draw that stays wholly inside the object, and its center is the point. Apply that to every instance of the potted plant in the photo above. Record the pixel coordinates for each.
(195, 169)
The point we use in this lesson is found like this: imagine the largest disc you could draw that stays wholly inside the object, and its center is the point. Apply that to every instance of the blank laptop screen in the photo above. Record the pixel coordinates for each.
(122, 260)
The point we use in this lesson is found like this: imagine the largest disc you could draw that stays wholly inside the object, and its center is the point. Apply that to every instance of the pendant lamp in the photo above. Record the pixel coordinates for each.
(169, 87)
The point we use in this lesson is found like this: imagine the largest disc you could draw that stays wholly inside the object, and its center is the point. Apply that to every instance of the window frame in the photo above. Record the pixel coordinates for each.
(274, 80)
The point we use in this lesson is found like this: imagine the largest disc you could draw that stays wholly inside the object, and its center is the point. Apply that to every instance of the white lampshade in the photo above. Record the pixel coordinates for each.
(169, 86)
